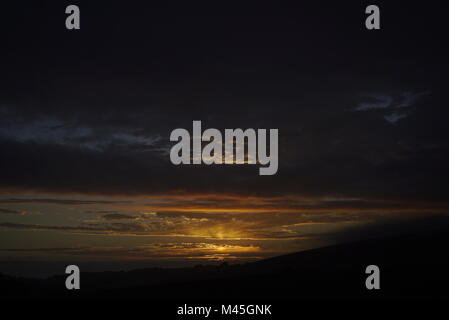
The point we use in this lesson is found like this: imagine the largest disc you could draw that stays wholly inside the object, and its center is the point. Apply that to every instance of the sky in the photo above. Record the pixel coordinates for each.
(86, 116)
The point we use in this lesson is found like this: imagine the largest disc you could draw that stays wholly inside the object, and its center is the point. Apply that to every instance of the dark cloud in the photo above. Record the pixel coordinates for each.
(216, 203)
(21, 226)
(62, 201)
(179, 250)
(50, 250)
(91, 112)
(101, 211)
(8, 211)
(118, 216)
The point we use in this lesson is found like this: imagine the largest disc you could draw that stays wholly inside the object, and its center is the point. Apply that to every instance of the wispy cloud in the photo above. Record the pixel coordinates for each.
(170, 250)
(375, 101)
(384, 101)
(8, 211)
(118, 216)
(61, 201)
(390, 103)
(395, 117)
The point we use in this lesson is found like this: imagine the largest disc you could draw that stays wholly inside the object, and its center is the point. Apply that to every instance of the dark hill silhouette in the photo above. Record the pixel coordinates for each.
(412, 267)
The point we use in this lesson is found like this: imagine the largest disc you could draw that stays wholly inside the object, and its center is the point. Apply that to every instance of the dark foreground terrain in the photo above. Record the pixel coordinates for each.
(411, 267)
